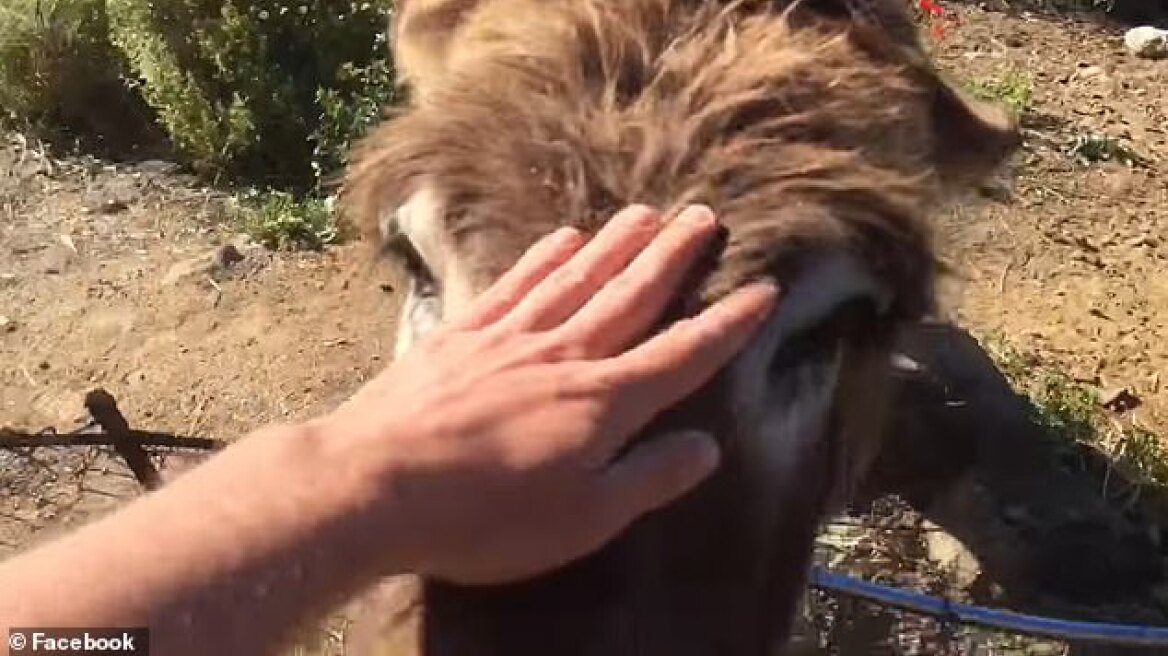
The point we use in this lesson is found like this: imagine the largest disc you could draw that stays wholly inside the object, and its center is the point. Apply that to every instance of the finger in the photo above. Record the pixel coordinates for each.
(562, 293)
(628, 306)
(541, 259)
(656, 473)
(674, 364)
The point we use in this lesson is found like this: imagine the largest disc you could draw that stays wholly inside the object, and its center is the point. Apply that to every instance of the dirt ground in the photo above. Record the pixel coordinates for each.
(1072, 267)
(108, 276)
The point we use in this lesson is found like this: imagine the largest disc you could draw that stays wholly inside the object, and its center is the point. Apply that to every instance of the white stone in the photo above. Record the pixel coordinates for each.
(948, 552)
(1147, 41)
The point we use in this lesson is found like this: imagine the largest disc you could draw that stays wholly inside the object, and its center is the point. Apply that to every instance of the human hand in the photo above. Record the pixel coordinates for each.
(492, 441)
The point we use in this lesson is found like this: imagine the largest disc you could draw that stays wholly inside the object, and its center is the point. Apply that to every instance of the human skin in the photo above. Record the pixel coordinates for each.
(484, 455)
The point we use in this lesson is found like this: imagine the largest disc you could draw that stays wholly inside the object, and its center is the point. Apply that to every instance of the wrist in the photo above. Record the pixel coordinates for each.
(297, 495)
(352, 482)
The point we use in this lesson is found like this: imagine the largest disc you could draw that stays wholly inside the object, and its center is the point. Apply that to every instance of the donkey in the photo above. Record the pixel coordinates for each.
(821, 135)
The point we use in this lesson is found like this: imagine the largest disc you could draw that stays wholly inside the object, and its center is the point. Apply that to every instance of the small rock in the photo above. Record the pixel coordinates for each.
(186, 269)
(7, 279)
(1088, 72)
(1045, 649)
(107, 205)
(113, 206)
(225, 256)
(1147, 42)
(1120, 399)
(57, 259)
(68, 242)
(156, 167)
(948, 552)
(7, 325)
(220, 259)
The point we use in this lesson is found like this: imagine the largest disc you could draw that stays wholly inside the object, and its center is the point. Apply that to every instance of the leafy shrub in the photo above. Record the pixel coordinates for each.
(279, 220)
(59, 73)
(1012, 87)
(346, 115)
(268, 92)
(1094, 148)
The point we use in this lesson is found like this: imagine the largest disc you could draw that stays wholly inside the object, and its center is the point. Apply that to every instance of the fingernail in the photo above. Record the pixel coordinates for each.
(766, 287)
(643, 215)
(765, 293)
(765, 290)
(565, 235)
(697, 215)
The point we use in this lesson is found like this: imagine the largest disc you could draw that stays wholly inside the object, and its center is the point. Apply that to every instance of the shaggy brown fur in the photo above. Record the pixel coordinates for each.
(808, 127)
(797, 132)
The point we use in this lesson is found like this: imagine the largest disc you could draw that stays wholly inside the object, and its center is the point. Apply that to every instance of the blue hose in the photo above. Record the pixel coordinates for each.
(1064, 630)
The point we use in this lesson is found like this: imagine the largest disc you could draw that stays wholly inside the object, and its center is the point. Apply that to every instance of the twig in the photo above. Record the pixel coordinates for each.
(197, 415)
(1110, 466)
(218, 292)
(14, 439)
(101, 492)
(104, 410)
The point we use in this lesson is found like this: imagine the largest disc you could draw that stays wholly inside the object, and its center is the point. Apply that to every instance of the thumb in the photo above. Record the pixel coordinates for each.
(657, 472)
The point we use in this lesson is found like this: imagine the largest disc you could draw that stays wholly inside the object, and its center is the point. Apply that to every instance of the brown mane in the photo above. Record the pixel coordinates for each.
(797, 132)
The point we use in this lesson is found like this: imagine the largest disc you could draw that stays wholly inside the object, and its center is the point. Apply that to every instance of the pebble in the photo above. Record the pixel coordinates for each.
(955, 557)
(225, 256)
(1147, 42)
(1089, 72)
(156, 167)
(107, 206)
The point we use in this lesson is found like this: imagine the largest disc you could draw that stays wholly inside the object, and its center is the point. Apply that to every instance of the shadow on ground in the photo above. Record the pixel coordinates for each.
(1034, 511)
(1121, 13)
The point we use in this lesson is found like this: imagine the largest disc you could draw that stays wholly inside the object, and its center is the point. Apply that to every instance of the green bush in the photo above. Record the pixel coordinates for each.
(271, 92)
(59, 73)
(279, 220)
(268, 92)
(1012, 87)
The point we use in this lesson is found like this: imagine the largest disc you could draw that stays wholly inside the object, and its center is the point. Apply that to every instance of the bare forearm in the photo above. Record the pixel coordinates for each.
(227, 559)
(486, 454)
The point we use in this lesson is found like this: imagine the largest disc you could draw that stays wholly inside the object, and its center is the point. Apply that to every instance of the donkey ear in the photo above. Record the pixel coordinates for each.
(423, 31)
(807, 395)
(972, 137)
(786, 381)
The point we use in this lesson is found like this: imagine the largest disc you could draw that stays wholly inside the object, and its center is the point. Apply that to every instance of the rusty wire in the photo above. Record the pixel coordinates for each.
(108, 427)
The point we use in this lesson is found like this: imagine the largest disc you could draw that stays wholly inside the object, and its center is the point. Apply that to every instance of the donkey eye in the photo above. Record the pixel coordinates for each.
(400, 248)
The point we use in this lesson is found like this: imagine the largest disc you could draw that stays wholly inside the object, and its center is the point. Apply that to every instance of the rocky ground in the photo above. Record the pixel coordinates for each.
(125, 277)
